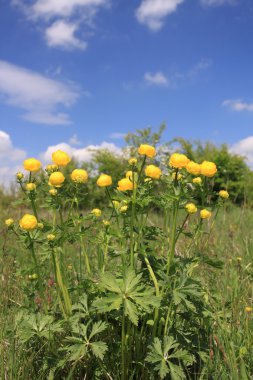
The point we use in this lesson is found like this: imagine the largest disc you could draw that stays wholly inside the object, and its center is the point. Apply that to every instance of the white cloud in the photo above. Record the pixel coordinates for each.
(117, 135)
(244, 148)
(157, 79)
(152, 13)
(238, 105)
(217, 3)
(74, 140)
(10, 158)
(80, 154)
(38, 95)
(62, 34)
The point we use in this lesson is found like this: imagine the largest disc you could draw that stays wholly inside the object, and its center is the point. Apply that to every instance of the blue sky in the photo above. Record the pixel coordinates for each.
(85, 72)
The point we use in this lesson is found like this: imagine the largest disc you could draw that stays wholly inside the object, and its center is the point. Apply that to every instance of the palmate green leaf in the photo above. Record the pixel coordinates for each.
(99, 349)
(97, 328)
(109, 282)
(131, 311)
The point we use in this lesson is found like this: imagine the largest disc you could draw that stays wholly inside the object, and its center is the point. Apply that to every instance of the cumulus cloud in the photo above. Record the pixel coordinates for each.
(244, 148)
(62, 34)
(10, 158)
(39, 96)
(156, 79)
(238, 105)
(153, 13)
(217, 3)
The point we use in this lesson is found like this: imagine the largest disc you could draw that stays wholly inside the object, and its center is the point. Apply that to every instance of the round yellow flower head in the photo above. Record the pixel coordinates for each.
(104, 180)
(19, 176)
(32, 165)
(116, 204)
(106, 223)
(40, 226)
(193, 168)
(223, 194)
(53, 192)
(70, 267)
(61, 158)
(28, 222)
(51, 237)
(197, 180)
(132, 161)
(125, 184)
(56, 179)
(9, 222)
(179, 176)
(191, 208)
(79, 176)
(52, 168)
(178, 160)
(33, 276)
(208, 168)
(96, 211)
(205, 214)
(147, 150)
(30, 186)
(123, 208)
(239, 258)
(248, 309)
(153, 171)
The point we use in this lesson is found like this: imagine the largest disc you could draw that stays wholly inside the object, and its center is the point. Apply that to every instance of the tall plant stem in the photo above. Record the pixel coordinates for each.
(132, 224)
(155, 282)
(123, 359)
(173, 238)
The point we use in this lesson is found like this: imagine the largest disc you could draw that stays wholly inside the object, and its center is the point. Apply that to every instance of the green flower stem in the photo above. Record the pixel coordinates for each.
(132, 224)
(154, 279)
(33, 207)
(57, 286)
(182, 227)
(113, 206)
(195, 237)
(123, 358)
(86, 258)
(173, 238)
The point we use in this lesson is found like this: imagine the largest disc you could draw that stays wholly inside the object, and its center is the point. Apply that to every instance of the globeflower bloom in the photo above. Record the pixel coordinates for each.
(51, 237)
(147, 150)
(191, 208)
(96, 211)
(53, 192)
(205, 214)
(193, 168)
(224, 194)
(123, 208)
(125, 184)
(28, 222)
(208, 168)
(248, 309)
(178, 160)
(132, 161)
(32, 165)
(197, 180)
(61, 158)
(56, 179)
(30, 186)
(104, 180)
(116, 203)
(153, 171)
(79, 176)
(9, 222)
(19, 176)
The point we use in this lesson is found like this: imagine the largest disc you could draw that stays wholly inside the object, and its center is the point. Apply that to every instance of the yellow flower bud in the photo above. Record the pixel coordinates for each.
(179, 176)
(178, 161)
(30, 186)
(132, 161)
(97, 212)
(79, 176)
(123, 208)
(56, 179)
(61, 158)
(193, 168)
(9, 222)
(147, 150)
(116, 204)
(40, 226)
(248, 309)
(104, 180)
(106, 223)
(153, 171)
(28, 222)
(51, 237)
(53, 192)
(239, 258)
(19, 176)
(205, 214)
(208, 168)
(223, 194)
(52, 168)
(197, 180)
(125, 184)
(32, 164)
(191, 208)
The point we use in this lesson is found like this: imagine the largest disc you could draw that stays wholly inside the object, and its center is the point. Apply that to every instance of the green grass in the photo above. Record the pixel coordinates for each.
(229, 291)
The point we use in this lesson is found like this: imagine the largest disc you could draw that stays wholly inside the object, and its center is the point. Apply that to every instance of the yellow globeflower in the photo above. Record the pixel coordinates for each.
(132, 161)
(178, 160)
(28, 222)
(56, 179)
(191, 208)
(40, 226)
(205, 214)
(223, 194)
(51, 168)
(19, 176)
(9, 222)
(125, 184)
(123, 208)
(51, 237)
(106, 222)
(208, 168)
(197, 180)
(61, 158)
(116, 204)
(248, 309)
(32, 164)
(79, 176)
(147, 150)
(30, 186)
(53, 192)
(104, 180)
(96, 211)
(193, 168)
(153, 171)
